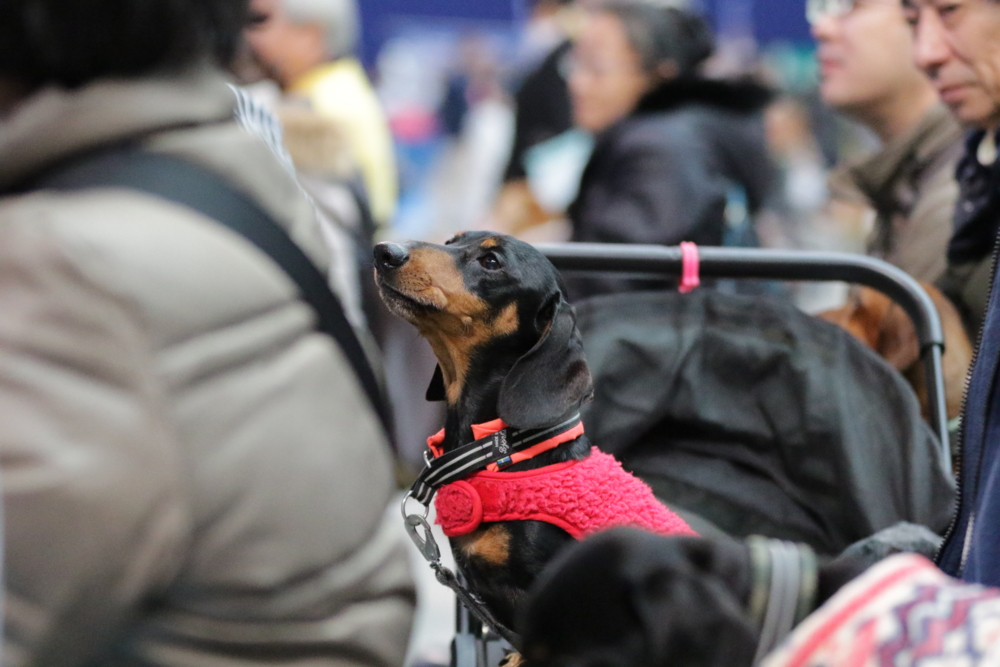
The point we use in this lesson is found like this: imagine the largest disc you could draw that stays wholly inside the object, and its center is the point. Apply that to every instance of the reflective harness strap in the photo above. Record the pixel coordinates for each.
(498, 449)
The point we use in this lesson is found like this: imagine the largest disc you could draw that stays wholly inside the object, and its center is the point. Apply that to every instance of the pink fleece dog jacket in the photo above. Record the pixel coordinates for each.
(581, 497)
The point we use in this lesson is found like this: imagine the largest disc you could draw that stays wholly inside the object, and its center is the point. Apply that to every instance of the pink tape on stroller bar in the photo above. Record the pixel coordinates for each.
(690, 275)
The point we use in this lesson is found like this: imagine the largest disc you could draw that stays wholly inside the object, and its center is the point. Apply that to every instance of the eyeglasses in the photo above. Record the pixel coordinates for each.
(816, 10)
(594, 66)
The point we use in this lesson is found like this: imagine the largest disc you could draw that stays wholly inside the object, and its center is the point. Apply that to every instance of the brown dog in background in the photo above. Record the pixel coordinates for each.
(883, 325)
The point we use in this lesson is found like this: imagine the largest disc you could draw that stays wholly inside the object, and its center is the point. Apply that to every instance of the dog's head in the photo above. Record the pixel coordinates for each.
(881, 324)
(494, 311)
(626, 597)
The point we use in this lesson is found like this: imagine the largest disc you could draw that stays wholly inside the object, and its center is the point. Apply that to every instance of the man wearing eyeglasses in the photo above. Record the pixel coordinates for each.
(865, 53)
(957, 44)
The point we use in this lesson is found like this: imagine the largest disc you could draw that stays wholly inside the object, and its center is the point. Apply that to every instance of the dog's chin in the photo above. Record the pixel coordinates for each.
(403, 305)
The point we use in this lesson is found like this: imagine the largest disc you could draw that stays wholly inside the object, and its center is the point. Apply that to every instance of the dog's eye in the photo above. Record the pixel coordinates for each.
(489, 262)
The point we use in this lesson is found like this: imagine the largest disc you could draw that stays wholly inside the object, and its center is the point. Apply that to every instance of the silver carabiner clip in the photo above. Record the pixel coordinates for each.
(425, 543)
(414, 522)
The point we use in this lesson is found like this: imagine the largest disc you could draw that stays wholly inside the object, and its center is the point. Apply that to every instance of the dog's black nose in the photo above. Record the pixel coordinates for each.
(390, 255)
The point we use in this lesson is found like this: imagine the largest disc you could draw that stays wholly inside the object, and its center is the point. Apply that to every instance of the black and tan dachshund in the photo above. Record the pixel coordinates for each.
(494, 312)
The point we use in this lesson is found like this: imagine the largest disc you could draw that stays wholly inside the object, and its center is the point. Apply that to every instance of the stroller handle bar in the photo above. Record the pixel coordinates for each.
(768, 264)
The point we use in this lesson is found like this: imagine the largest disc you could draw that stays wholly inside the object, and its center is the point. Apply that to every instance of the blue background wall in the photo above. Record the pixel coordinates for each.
(781, 20)
(770, 20)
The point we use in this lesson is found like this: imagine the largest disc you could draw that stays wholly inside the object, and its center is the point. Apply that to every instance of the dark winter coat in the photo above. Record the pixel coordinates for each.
(664, 174)
(972, 547)
(759, 418)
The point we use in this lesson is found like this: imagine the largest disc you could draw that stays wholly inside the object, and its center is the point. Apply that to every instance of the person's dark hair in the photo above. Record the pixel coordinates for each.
(661, 34)
(72, 42)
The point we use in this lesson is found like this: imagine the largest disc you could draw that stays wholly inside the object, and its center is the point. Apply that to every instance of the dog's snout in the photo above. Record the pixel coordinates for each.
(390, 255)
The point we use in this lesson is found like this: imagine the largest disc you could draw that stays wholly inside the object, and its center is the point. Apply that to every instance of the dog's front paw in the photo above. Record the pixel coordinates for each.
(513, 660)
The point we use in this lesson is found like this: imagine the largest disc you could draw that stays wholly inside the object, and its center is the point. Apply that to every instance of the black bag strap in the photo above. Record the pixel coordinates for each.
(196, 187)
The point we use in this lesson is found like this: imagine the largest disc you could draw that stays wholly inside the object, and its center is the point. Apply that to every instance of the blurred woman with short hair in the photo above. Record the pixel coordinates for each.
(673, 148)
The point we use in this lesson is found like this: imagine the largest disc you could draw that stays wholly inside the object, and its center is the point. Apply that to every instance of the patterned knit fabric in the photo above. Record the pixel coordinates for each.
(902, 612)
(581, 497)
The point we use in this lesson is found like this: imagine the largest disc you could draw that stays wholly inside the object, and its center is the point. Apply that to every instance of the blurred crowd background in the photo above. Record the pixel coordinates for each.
(448, 72)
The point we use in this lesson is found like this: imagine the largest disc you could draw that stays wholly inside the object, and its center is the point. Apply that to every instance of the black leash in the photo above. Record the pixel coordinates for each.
(415, 523)
(183, 182)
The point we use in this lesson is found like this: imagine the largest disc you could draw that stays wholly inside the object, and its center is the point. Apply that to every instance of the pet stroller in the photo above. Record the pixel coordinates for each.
(746, 415)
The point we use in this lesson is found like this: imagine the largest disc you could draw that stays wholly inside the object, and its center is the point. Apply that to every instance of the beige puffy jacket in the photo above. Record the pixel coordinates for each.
(191, 475)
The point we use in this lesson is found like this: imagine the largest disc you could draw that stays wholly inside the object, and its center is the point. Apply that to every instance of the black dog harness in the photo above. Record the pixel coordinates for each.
(496, 451)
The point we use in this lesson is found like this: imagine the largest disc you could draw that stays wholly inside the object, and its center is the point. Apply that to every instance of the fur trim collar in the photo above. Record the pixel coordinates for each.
(316, 144)
(740, 95)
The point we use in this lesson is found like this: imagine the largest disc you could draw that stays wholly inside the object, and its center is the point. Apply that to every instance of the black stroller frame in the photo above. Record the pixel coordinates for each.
(476, 646)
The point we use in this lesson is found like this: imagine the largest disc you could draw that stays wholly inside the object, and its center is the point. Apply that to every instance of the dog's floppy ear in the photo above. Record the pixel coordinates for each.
(897, 342)
(435, 390)
(552, 377)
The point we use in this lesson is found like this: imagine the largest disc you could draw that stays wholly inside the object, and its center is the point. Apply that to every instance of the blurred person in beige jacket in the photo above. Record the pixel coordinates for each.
(191, 474)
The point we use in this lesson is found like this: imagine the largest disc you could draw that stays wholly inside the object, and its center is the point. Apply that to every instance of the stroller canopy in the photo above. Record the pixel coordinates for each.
(759, 418)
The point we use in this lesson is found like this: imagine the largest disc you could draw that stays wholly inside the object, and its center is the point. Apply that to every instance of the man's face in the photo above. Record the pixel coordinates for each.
(865, 54)
(957, 44)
